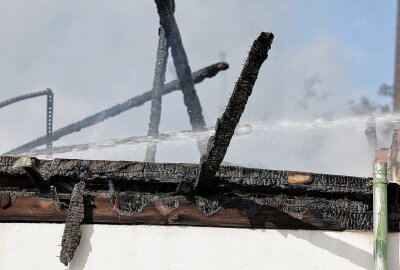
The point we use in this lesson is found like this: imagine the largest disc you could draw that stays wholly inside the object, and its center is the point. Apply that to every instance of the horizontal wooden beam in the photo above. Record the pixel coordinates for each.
(126, 192)
(166, 176)
(277, 211)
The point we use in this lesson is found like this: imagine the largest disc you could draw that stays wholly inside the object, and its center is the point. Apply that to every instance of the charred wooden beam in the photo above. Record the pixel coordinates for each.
(158, 85)
(395, 157)
(167, 176)
(72, 231)
(28, 165)
(165, 10)
(222, 210)
(218, 144)
(198, 76)
(121, 192)
(5, 199)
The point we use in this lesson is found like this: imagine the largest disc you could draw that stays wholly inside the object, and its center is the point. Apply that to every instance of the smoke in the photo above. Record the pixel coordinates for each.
(94, 54)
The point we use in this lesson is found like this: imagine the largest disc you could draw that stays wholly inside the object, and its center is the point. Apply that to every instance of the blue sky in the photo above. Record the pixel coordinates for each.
(94, 54)
(366, 25)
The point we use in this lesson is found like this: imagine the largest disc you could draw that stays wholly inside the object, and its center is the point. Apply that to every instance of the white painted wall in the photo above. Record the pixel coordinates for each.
(35, 246)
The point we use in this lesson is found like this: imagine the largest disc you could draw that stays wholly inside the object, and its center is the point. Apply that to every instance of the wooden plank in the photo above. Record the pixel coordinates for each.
(275, 211)
(298, 178)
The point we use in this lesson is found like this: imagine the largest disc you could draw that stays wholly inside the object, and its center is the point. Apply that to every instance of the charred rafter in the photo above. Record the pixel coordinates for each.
(158, 85)
(225, 128)
(167, 20)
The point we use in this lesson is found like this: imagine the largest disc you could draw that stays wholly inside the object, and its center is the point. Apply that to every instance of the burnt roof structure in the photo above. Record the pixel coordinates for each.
(204, 194)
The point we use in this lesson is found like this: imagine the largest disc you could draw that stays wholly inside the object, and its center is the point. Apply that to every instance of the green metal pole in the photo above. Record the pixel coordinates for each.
(380, 215)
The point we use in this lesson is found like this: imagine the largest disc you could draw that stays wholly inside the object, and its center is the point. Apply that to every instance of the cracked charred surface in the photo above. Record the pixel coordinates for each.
(72, 231)
(125, 192)
(220, 210)
(225, 128)
(167, 176)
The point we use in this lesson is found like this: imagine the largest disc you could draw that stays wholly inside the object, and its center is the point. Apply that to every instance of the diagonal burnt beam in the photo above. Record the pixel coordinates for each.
(198, 77)
(191, 100)
(158, 85)
(225, 128)
(72, 231)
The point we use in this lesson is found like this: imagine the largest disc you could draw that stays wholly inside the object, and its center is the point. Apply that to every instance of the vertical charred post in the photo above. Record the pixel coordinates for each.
(72, 231)
(167, 20)
(394, 157)
(158, 86)
(225, 127)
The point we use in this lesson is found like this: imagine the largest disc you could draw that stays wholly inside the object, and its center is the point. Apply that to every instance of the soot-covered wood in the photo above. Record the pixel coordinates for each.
(125, 192)
(158, 85)
(225, 128)
(166, 10)
(167, 176)
(219, 210)
(72, 231)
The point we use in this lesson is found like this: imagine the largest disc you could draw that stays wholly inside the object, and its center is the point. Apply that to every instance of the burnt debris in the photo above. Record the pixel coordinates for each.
(72, 231)
(205, 194)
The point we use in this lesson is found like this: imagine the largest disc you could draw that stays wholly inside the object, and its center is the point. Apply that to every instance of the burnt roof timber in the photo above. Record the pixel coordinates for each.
(275, 211)
(158, 85)
(225, 128)
(241, 197)
(99, 172)
(166, 9)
